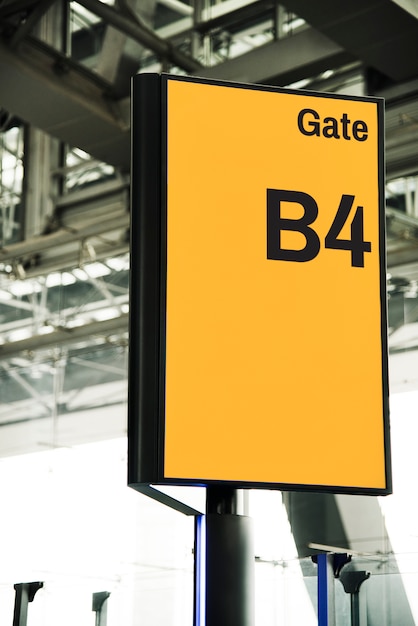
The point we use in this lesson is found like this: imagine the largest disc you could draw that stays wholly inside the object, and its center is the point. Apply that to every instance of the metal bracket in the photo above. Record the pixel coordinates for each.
(352, 581)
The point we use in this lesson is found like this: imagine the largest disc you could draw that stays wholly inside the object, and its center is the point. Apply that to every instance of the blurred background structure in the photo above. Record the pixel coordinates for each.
(68, 518)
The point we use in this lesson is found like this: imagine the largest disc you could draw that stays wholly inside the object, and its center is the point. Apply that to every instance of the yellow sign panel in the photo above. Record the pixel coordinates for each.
(275, 305)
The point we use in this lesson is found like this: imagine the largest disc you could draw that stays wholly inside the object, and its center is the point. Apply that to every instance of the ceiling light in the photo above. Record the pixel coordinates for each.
(118, 263)
(53, 280)
(80, 273)
(106, 314)
(96, 270)
(46, 329)
(18, 335)
(67, 279)
(24, 287)
(75, 323)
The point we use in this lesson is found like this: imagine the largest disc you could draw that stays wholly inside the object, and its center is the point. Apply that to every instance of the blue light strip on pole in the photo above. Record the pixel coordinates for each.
(200, 570)
(322, 590)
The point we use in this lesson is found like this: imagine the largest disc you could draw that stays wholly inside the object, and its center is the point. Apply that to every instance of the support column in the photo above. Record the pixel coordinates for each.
(43, 154)
(326, 598)
(329, 568)
(224, 562)
(352, 581)
(25, 593)
(99, 606)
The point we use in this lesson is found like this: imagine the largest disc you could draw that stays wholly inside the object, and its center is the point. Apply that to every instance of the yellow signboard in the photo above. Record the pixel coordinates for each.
(273, 331)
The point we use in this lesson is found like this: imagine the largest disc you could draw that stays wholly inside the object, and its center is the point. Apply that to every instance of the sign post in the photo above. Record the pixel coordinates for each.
(224, 572)
(258, 329)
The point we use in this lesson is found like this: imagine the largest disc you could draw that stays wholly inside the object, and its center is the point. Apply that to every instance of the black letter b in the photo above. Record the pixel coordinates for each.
(276, 223)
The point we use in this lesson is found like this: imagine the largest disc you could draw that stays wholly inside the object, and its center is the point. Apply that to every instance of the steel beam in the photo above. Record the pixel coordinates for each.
(120, 55)
(283, 61)
(142, 34)
(65, 336)
(379, 32)
(46, 89)
(178, 6)
(39, 9)
(232, 13)
(35, 245)
(88, 213)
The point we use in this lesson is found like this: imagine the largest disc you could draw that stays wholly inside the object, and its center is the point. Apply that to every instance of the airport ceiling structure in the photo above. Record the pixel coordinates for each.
(66, 70)
(65, 74)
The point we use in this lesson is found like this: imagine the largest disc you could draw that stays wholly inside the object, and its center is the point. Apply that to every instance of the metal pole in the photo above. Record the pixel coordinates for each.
(99, 605)
(329, 567)
(224, 578)
(25, 593)
(352, 581)
(326, 599)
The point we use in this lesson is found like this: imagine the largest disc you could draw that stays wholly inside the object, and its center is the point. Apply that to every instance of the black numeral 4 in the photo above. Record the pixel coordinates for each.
(356, 244)
(304, 225)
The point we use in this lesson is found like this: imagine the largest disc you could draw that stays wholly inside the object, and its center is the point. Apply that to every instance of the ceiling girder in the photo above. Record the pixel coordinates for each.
(65, 336)
(378, 32)
(120, 56)
(142, 34)
(283, 61)
(38, 10)
(44, 88)
(36, 245)
(236, 15)
(87, 215)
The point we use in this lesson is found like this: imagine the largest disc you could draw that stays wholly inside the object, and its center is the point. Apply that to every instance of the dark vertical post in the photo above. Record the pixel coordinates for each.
(25, 593)
(99, 605)
(352, 581)
(326, 604)
(329, 567)
(224, 563)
